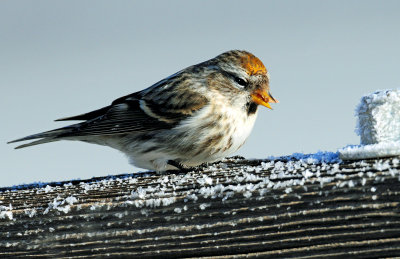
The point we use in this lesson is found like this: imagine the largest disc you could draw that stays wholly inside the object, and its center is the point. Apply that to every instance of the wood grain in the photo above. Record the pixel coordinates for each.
(241, 208)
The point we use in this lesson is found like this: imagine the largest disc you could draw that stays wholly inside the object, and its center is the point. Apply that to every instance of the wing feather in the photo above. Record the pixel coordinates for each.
(161, 106)
(133, 115)
(119, 119)
(86, 116)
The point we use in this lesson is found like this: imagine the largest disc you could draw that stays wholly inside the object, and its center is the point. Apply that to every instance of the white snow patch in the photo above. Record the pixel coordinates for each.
(378, 126)
(288, 190)
(203, 206)
(140, 193)
(59, 204)
(178, 210)
(71, 200)
(384, 149)
(95, 206)
(379, 117)
(48, 188)
(307, 173)
(30, 212)
(6, 212)
(205, 180)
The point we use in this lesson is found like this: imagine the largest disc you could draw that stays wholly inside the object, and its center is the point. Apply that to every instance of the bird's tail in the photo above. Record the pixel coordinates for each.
(47, 136)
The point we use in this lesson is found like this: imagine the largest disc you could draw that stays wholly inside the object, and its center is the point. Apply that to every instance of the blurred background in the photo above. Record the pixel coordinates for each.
(63, 58)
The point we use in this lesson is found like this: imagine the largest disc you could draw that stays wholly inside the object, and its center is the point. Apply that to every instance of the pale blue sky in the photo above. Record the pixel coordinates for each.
(62, 58)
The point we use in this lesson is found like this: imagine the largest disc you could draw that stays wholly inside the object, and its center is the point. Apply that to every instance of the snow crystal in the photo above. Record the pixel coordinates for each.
(381, 166)
(247, 194)
(351, 183)
(6, 212)
(168, 201)
(178, 210)
(203, 206)
(68, 185)
(395, 161)
(71, 200)
(64, 209)
(307, 173)
(59, 204)
(205, 180)
(288, 190)
(95, 206)
(363, 181)
(30, 212)
(192, 197)
(140, 193)
(48, 189)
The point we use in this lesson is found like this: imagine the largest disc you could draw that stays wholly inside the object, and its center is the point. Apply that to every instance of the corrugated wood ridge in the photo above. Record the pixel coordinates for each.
(238, 207)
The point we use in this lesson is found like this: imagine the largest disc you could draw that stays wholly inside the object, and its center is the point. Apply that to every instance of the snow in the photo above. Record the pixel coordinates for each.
(30, 212)
(378, 125)
(319, 157)
(59, 204)
(204, 206)
(48, 188)
(379, 117)
(178, 210)
(6, 212)
(384, 149)
(71, 200)
(205, 180)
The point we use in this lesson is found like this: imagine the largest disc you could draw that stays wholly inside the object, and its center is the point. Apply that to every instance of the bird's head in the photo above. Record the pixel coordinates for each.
(242, 72)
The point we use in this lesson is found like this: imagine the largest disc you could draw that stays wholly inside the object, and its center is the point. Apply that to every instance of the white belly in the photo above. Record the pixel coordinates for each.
(230, 133)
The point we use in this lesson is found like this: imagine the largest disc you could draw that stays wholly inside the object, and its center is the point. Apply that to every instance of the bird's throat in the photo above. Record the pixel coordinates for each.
(251, 108)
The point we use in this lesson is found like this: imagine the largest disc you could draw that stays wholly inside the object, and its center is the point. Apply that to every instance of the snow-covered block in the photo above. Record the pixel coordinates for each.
(379, 117)
(378, 126)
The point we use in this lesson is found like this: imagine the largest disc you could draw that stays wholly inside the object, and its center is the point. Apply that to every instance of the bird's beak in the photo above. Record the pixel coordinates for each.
(263, 98)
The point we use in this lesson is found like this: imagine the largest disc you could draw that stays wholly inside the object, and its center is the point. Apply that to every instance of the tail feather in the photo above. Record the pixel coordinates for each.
(44, 137)
(46, 134)
(37, 142)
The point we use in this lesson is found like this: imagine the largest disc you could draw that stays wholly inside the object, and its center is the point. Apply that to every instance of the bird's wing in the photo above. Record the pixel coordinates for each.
(161, 106)
(144, 111)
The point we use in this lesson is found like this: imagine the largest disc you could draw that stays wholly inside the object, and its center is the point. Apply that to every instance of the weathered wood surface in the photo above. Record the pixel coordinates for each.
(239, 207)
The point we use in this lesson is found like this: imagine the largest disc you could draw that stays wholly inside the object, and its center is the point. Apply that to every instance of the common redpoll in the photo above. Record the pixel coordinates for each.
(200, 114)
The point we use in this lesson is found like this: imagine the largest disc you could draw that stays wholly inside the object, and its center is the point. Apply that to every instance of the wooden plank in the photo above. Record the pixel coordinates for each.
(238, 208)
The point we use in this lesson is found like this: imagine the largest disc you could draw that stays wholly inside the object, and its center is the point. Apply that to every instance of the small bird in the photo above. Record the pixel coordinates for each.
(198, 115)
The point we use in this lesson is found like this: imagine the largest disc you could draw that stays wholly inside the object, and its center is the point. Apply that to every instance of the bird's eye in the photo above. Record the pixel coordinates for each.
(241, 81)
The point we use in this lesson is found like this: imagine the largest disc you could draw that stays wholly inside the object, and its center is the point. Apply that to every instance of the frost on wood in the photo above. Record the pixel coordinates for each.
(378, 125)
(286, 206)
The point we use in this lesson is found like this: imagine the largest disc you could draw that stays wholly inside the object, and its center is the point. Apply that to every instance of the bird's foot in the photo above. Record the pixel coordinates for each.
(183, 168)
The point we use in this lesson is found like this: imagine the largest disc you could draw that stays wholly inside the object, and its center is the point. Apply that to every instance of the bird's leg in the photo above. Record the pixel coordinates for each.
(181, 166)
(202, 166)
